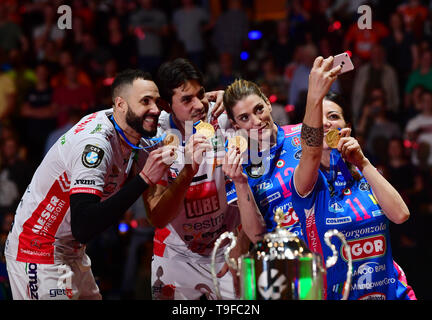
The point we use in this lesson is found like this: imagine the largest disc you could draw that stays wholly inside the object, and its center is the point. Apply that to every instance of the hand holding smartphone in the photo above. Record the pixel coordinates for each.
(344, 60)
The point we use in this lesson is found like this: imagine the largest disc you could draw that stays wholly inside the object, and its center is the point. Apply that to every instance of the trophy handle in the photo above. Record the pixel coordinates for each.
(230, 261)
(332, 260)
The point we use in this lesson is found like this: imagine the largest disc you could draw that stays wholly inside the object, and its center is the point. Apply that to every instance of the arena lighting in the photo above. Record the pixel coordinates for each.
(139, 33)
(335, 26)
(349, 53)
(123, 227)
(134, 224)
(273, 98)
(244, 55)
(108, 81)
(255, 35)
(289, 108)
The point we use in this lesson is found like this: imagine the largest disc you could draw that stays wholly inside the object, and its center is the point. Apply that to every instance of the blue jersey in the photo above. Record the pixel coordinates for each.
(352, 209)
(272, 190)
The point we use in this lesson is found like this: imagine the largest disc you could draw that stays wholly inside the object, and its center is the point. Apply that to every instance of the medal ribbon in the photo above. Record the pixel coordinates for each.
(337, 164)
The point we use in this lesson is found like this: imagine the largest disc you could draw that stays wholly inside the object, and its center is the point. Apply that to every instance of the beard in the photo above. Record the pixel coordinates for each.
(136, 123)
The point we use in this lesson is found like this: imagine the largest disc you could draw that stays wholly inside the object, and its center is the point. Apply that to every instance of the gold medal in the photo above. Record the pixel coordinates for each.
(205, 129)
(332, 138)
(238, 142)
(171, 139)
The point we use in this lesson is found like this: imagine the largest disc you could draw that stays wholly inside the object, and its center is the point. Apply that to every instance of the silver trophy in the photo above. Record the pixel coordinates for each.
(281, 267)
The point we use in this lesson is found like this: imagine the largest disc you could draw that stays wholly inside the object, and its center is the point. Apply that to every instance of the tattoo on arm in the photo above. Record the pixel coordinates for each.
(312, 136)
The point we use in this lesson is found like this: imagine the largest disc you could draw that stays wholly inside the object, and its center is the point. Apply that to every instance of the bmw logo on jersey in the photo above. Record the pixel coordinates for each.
(92, 156)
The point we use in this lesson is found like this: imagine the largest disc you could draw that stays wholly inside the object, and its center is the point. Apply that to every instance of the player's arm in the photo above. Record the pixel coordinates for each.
(91, 216)
(253, 223)
(163, 202)
(321, 78)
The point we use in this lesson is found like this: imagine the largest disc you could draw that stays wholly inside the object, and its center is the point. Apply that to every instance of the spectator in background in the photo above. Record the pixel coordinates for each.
(120, 44)
(278, 113)
(15, 174)
(48, 31)
(282, 47)
(103, 85)
(272, 75)
(38, 114)
(401, 48)
(222, 73)
(375, 73)
(190, 22)
(419, 132)
(376, 125)
(59, 78)
(22, 74)
(361, 41)
(11, 35)
(149, 25)
(400, 170)
(230, 32)
(414, 14)
(300, 80)
(91, 56)
(139, 250)
(72, 95)
(73, 116)
(8, 97)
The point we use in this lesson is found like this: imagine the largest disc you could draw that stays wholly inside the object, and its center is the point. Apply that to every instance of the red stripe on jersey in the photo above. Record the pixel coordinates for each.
(86, 190)
(36, 241)
(159, 237)
(163, 183)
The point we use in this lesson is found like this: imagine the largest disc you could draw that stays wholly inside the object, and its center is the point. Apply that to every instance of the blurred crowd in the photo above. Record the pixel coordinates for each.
(51, 77)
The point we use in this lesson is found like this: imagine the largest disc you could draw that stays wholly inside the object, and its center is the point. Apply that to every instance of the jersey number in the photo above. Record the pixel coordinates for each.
(363, 210)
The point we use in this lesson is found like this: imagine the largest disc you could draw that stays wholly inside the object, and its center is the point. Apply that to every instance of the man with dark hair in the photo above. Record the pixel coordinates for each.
(188, 207)
(85, 183)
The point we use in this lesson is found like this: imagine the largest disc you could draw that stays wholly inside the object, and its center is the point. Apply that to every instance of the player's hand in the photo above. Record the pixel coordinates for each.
(195, 149)
(157, 164)
(217, 98)
(321, 77)
(350, 149)
(232, 166)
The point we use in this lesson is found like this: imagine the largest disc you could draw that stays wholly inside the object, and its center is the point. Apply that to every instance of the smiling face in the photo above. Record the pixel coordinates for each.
(142, 112)
(189, 102)
(253, 114)
(333, 117)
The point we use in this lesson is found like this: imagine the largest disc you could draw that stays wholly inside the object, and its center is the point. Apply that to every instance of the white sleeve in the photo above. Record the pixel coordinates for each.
(89, 160)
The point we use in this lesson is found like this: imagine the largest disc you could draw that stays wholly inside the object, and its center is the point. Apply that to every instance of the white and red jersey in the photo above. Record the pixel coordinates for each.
(86, 159)
(205, 213)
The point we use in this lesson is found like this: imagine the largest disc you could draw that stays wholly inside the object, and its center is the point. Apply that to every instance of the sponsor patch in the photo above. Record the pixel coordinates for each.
(340, 220)
(92, 156)
(365, 248)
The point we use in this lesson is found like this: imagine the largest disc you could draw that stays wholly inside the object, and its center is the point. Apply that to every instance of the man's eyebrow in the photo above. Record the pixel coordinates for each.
(148, 97)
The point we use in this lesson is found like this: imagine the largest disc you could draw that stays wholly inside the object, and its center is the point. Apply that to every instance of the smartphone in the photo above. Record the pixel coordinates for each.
(344, 60)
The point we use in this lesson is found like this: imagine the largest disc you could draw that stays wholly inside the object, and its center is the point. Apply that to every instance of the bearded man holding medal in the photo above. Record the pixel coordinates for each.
(188, 206)
(336, 187)
(85, 183)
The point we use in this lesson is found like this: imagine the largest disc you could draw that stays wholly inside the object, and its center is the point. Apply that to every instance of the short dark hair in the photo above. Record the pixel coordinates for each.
(172, 74)
(127, 77)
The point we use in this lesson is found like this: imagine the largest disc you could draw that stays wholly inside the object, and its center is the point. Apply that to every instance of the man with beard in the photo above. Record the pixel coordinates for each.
(85, 183)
